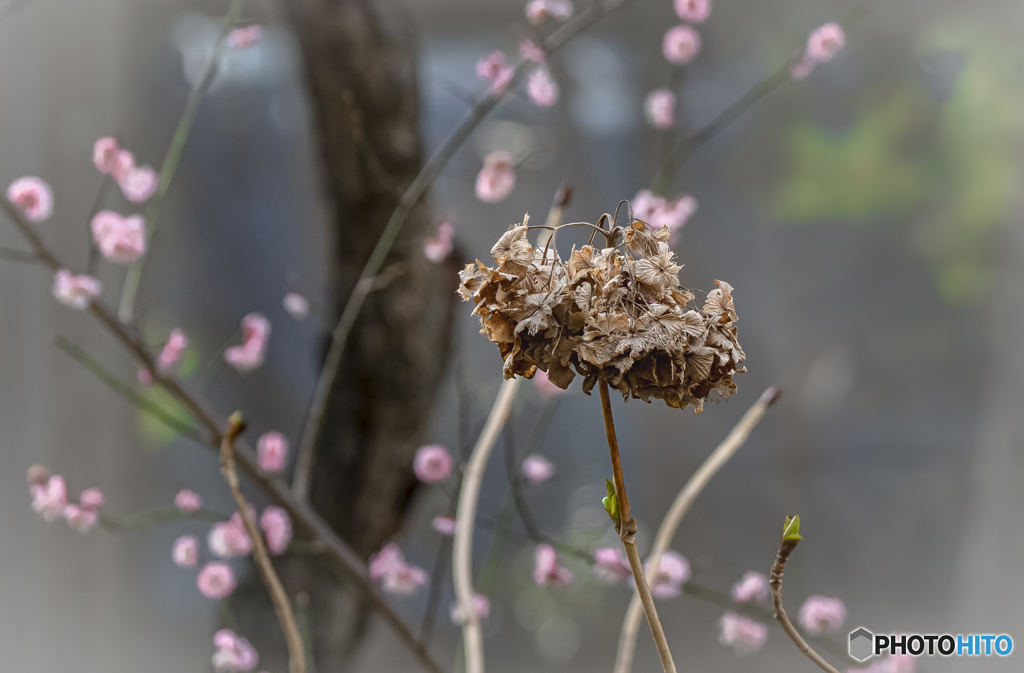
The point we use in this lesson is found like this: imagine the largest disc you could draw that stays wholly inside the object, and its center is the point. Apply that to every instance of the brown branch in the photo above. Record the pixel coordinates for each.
(790, 539)
(282, 606)
(626, 528)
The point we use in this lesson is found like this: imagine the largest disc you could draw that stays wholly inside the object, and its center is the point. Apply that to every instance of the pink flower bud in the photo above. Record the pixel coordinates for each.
(825, 42)
(51, 498)
(277, 529)
(138, 183)
(122, 240)
(744, 635)
(272, 451)
(176, 344)
(673, 573)
(104, 155)
(481, 606)
(660, 108)
(233, 652)
(185, 552)
(432, 463)
(753, 586)
(694, 11)
(188, 502)
(537, 469)
(32, 197)
(611, 564)
(820, 615)
(253, 350)
(437, 247)
(546, 571)
(91, 498)
(77, 292)
(494, 70)
(531, 51)
(539, 10)
(243, 38)
(445, 525)
(122, 164)
(38, 475)
(497, 178)
(680, 45)
(80, 518)
(216, 580)
(541, 88)
(296, 305)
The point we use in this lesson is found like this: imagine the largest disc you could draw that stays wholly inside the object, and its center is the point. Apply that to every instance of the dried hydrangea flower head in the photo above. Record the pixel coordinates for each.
(616, 313)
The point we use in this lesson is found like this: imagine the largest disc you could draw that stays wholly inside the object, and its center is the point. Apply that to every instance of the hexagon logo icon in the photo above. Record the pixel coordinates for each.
(862, 644)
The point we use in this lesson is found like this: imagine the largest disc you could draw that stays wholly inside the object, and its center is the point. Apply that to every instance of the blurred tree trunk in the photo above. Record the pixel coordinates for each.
(361, 75)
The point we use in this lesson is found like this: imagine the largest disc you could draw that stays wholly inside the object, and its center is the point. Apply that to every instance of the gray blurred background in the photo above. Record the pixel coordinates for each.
(868, 218)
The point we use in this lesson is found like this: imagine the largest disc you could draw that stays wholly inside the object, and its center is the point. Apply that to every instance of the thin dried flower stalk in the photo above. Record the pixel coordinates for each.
(617, 314)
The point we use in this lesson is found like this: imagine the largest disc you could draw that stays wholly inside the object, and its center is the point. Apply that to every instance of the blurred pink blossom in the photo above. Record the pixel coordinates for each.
(821, 614)
(546, 571)
(188, 502)
(122, 240)
(825, 42)
(542, 89)
(38, 475)
(744, 635)
(680, 45)
(432, 463)
(660, 109)
(228, 538)
(695, 11)
(395, 575)
(539, 10)
(32, 197)
(497, 178)
(243, 38)
(545, 388)
(49, 498)
(436, 248)
(611, 564)
(277, 529)
(81, 518)
(296, 305)
(481, 606)
(216, 580)
(104, 155)
(78, 292)
(91, 498)
(495, 70)
(176, 344)
(658, 212)
(445, 525)
(384, 561)
(272, 451)
(185, 551)
(753, 586)
(138, 183)
(233, 652)
(253, 349)
(123, 163)
(673, 573)
(537, 469)
(531, 51)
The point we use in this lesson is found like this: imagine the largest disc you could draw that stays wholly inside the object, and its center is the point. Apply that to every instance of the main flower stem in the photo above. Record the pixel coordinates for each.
(626, 528)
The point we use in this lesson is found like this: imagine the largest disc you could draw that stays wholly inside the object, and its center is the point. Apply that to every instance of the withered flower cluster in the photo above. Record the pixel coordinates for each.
(616, 313)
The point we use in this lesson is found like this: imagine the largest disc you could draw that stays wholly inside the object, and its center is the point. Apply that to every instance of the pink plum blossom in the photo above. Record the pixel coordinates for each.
(497, 178)
(673, 573)
(546, 571)
(188, 502)
(432, 463)
(138, 183)
(81, 518)
(611, 564)
(542, 89)
(825, 42)
(32, 197)
(91, 498)
(122, 240)
(233, 652)
(694, 11)
(176, 344)
(216, 580)
(272, 451)
(296, 305)
(821, 614)
(49, 497)
(531, 51)
(539, 10)
(243, 38)
(495, 70)
(395, 575)
(481, 606)
(77, 292)
(185, 551)
(104, 155)
(277, 529)
(228, 538)
(436, 248)
(753, 586)
(545, 388)
(445, 525)
(658, 212)
(252, 352)
(660, 108)
(744, 635)
(537, 469)
(680, 45)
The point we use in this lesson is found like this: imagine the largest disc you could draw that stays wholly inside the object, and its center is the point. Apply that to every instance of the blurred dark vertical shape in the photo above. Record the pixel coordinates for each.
(360, 71)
